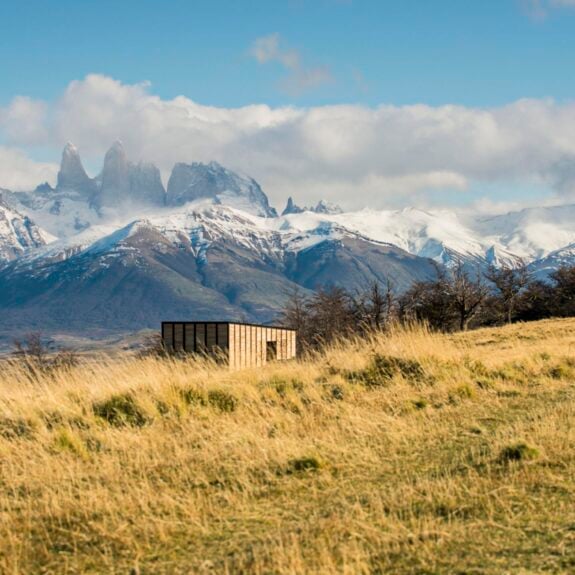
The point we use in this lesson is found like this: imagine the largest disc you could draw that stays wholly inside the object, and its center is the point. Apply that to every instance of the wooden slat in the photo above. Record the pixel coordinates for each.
(211, 337)
(232, 345)
(189, 337)
(178, 336)
(200, 338)
(168, 335)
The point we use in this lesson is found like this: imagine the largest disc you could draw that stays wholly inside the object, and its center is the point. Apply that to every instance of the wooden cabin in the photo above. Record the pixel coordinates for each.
(239, 344)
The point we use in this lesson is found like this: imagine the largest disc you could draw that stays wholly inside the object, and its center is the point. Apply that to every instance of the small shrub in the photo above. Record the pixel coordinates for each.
(282, 386)
(420, 403)
(121, 410)
(192, 396)
(14, 428)
(222, 400)
(560, 371)
(304, 465)
(336, 392)
(383, 368)
(509, 393)
(67, 441)
(518, 452)
(464, 391)
(477, 368)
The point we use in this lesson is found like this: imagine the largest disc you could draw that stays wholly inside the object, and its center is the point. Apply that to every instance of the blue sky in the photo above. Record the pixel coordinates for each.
(364, 102)
(436, 52)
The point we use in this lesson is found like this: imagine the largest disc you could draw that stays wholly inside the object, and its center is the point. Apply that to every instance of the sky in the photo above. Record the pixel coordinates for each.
(374, 103)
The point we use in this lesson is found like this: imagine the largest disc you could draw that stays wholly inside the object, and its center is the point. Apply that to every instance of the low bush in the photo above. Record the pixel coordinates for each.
(304, 465)
(222, 400)
(383, 368)
(122, 410)
(518, 452)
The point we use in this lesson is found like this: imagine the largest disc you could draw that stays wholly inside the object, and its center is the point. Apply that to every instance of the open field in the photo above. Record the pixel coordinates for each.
(413, 453)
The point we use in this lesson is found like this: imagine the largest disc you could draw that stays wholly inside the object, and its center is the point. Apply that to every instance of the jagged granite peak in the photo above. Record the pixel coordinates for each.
(121, 181)
(325, 207)
(322, 207)
(115, 178)
(146, 184)
(72, 175)
(190, 182)
(291, 208)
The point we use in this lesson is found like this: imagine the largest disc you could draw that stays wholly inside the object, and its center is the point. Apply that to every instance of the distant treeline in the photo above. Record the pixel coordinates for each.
(457, 299)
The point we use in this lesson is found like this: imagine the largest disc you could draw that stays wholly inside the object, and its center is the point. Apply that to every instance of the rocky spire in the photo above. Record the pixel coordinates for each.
(325, 207)
(72, 175)
(291, 208)
(115, 179)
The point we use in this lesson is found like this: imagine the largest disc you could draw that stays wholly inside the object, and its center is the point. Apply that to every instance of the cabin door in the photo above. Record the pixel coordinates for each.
(271, 350)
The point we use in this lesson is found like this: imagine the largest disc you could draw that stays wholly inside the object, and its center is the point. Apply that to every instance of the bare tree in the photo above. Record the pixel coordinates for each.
(296, 314)
(32, 349)
(429, 301)
(36, 356)
(331, 314)
(508, 281)
(467, 294)
(376, 306)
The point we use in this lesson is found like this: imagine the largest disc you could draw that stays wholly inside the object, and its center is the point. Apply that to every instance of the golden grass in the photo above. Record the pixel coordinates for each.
(413, 453)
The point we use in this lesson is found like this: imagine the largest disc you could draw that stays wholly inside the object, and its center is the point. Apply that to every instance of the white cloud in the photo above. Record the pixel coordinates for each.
(18, 172)
(349, 154)
(300, 78)
(23, 120)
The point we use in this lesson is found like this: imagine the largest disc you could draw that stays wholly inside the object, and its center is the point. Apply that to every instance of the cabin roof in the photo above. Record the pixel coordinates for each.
(230, 323)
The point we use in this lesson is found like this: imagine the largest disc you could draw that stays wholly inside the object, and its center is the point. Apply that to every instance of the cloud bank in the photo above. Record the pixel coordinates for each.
(353, 155)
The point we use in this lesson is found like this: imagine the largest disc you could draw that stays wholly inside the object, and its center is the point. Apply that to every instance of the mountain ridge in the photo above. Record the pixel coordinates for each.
(210, 244)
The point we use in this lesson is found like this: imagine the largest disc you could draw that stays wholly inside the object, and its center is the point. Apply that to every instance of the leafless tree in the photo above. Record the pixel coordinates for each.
(467, 294)
(508, 282)
(35, 354)
(375, 307)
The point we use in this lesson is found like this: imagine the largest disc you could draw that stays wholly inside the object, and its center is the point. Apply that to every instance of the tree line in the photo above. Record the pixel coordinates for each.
(456, 299)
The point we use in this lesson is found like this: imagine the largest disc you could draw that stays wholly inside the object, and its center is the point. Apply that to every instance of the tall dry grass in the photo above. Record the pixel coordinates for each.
(409, 453)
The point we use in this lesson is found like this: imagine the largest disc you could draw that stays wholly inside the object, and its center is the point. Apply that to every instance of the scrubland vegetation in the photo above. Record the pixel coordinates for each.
(411, 452)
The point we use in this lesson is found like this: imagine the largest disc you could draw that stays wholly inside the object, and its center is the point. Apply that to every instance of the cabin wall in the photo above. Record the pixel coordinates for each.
(242, 345)
(248, 345)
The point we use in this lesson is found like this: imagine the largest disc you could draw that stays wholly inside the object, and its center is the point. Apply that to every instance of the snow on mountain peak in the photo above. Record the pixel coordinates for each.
(18, 234)
(190, 182)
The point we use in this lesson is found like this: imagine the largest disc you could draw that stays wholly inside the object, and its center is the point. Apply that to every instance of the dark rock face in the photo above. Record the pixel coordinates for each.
(189, 182)
(146, 184)
(72, 175)
(324, 207)
(123, 182)
(291, 208)
(115, 179)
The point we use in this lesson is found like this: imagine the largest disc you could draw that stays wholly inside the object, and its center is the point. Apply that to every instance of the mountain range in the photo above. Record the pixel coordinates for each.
(121, 252)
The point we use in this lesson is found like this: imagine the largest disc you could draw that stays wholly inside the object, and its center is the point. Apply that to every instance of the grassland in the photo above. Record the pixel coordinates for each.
(411, 453)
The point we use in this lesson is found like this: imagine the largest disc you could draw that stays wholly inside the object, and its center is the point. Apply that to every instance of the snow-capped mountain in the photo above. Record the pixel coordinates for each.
(190, 182)
(121, 246)
(18, 234)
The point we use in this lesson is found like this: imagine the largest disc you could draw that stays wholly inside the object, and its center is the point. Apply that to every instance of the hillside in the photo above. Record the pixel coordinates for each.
(414, 453)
